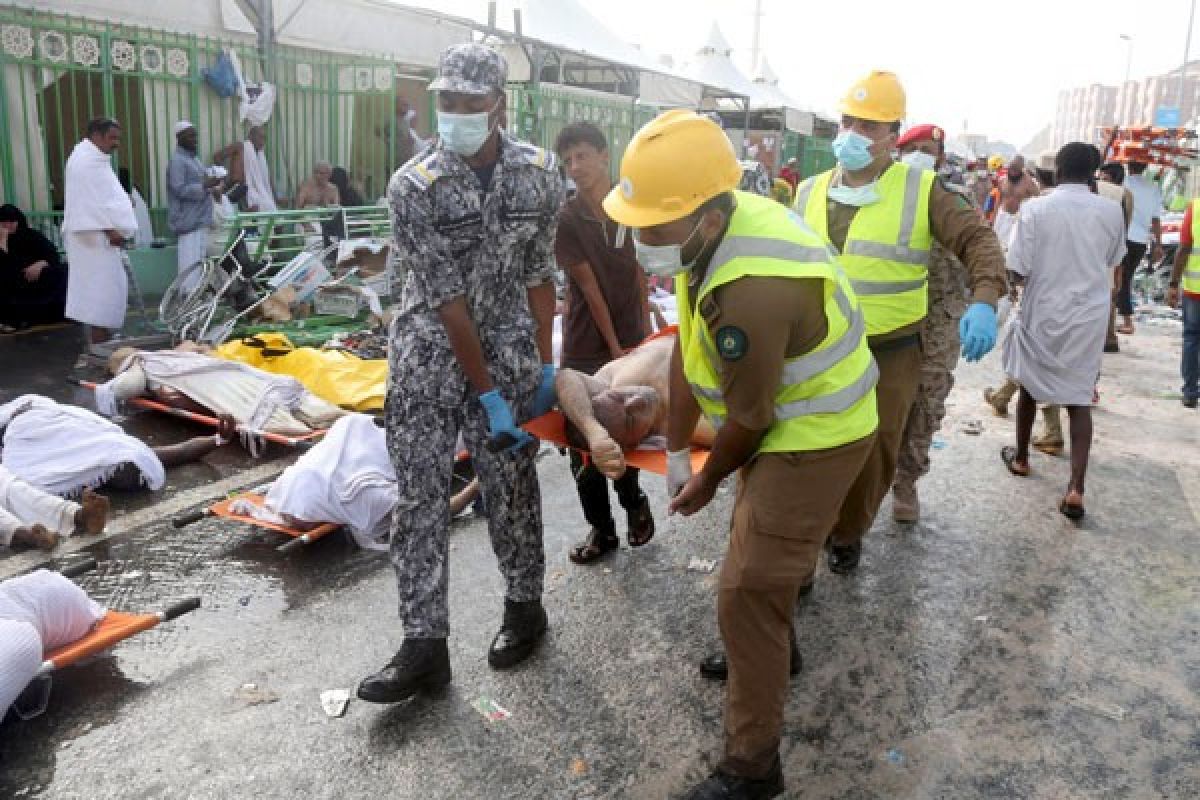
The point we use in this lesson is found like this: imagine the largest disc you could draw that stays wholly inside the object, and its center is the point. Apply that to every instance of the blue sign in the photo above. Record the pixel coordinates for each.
(1166, 117)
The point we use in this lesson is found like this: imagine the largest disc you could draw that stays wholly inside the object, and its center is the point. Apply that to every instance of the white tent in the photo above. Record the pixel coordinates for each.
(712, 66)
(769, 97)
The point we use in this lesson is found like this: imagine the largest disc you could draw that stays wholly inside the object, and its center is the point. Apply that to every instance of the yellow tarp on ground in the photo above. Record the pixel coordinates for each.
(340, 378)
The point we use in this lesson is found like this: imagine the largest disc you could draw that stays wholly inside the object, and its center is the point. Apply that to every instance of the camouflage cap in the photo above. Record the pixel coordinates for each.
(470, 69)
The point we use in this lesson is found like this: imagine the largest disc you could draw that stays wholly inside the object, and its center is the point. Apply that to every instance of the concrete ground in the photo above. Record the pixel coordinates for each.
(995, 650)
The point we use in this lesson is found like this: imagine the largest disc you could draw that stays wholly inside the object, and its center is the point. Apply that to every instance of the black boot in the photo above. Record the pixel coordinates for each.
(722, 785)
(716, 668)
(524, 625)
(843, 559)
(419, 664)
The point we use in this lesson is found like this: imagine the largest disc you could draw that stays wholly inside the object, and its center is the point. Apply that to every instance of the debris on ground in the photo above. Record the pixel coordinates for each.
(972, 427)
(1099, 707)
(251, 694)
(490, 709)
(334, 701)
(938, 443)
(702, 565)
(579, 766)
(894, 756)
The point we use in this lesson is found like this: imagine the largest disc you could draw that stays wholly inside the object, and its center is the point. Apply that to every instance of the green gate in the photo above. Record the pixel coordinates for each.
(58, 71)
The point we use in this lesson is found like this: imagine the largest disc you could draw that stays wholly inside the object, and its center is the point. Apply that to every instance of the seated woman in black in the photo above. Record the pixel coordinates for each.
(33, 283)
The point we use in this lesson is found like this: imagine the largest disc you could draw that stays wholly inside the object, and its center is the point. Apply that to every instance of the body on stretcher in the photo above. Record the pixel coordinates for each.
(552, 427)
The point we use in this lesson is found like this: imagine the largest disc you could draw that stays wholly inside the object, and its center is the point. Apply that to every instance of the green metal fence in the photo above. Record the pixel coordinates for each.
(59, 71)
(540, 112)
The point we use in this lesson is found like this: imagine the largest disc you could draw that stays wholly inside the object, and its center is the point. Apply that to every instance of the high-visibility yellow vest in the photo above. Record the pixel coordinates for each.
(886, 254)
(1191, 271)
(826, 397)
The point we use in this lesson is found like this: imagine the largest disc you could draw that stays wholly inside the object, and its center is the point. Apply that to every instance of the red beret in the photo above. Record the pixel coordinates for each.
(919, 133)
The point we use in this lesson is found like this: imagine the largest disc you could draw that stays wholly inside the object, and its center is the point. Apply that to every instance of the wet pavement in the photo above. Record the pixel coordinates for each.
(995, 650)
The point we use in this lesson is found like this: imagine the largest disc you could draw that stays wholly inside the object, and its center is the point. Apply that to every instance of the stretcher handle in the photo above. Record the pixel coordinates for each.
(183, 520)
(501, 442)
(75, 570)
(294, 544)
(179, 609)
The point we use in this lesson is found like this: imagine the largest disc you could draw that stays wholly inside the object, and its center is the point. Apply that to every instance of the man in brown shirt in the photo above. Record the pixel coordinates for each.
(606, 316)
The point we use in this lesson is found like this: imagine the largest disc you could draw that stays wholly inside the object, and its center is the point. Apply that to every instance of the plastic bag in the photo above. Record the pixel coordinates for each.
(221, 76)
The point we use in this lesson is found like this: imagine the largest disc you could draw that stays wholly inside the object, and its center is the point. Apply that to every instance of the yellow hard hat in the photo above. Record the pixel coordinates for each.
(878, 97)
(995, 163)
(676, 162)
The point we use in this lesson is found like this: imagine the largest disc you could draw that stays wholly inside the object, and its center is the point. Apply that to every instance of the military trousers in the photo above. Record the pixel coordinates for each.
(939, 355)
(899, 377)
(778, 532)
(422, 434)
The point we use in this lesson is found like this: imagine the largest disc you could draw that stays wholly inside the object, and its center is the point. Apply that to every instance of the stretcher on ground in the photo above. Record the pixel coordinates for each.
(224, 510)
(552, 427)
(114, 627)
(146, 404)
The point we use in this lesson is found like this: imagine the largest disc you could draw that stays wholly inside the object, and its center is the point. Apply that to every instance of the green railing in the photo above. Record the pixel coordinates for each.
(58, 71)
(280, 235)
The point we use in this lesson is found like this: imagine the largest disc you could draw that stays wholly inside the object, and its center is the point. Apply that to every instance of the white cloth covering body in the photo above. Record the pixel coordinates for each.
(1065, 244)
(38, 612)
(145, 231)
(22, 505)
(258, 178)
(64, 449)
(97, 289)
(256, 399)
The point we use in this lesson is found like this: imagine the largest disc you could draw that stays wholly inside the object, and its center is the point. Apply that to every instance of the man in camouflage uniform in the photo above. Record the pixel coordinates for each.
(939, 341)
(474, 219)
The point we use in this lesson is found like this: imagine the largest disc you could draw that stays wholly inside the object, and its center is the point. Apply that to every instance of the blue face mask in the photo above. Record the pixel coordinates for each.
(857, 196)
(853, 150)
(465, 134)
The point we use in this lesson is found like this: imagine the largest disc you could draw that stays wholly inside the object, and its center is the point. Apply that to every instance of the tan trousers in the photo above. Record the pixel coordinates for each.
(899, 377)
(786, 505)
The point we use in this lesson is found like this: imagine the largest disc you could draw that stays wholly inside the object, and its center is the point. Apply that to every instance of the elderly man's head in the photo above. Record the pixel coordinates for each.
(627, 413)
(322, 172)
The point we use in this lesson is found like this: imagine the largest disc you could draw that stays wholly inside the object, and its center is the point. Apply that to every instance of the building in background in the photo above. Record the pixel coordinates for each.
(1081, 112)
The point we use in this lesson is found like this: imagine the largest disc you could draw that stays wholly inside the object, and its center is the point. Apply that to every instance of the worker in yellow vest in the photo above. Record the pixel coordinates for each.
(882, 217)
(771, 350)
(1186, 270)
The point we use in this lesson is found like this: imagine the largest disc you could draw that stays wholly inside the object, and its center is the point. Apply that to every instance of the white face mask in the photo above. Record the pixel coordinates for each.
(857, 196)
(919, 160)
(663, 260)
(465, 134)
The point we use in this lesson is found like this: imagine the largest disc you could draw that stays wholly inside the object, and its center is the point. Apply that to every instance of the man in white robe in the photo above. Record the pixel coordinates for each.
(98, 217)
(39, 612)
(1064, 246)
(256, 399)
(32, 517)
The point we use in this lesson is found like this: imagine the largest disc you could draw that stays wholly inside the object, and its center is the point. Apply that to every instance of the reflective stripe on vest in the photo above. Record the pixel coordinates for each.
(837, 380)
(1191, 274)
(899, 296)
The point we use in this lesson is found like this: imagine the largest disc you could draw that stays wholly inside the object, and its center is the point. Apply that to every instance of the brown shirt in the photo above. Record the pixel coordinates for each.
(770, 320)
(582, 237)
(959, 228)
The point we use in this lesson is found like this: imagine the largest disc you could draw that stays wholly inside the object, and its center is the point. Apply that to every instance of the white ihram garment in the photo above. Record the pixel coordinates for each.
(258, 178)
(22, 505)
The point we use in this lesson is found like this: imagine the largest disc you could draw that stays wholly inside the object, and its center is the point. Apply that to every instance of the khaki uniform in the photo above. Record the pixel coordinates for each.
(959, 229)
(778, 531)
(939, 355)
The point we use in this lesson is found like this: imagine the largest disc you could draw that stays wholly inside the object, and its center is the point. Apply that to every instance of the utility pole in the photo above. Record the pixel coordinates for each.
(756, 42)
(1187, 49)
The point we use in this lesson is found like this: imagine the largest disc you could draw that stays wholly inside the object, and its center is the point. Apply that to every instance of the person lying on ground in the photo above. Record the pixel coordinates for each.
(347, 479)
(38, 613)
(622, 406)
(65, 449)
(30, 517)
(202, 384)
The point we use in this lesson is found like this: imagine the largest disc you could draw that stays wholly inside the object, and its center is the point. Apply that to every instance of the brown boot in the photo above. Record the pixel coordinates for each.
(1051, 441)
(906, 505)
(92, 514)
(999, 399)
(37, 536)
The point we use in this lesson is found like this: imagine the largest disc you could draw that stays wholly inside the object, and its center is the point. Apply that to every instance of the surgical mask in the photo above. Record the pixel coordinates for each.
(465, 134)
(857, 196)
(663, 260)
(919, 160)
(853, 150)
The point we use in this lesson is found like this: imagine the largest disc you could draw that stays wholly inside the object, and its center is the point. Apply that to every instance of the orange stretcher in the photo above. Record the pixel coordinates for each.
(552, 427)
(224, 509)
(147, 404)
(114, 627)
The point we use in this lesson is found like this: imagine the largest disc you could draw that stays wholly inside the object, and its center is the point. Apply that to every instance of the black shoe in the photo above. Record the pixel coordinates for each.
(419, 664)
(641, 523)
(524, 626)
(1189, 402)
(716, 667)
(843, 559)
(1111, 348)
(723, 785)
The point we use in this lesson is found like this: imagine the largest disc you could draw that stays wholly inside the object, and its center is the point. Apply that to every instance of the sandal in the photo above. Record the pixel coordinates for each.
(1072, 511)
(641, 524)
(1009, 456)
(595, 546)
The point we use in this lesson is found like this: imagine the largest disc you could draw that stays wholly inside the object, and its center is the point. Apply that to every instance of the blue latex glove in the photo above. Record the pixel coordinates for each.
(977, 330)
(545, 398)
(500, 423)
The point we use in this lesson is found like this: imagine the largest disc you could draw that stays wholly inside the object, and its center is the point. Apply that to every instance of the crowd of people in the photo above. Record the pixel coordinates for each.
(815, 347)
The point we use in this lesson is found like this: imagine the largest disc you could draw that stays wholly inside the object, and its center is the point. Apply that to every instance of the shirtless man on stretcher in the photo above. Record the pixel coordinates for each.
(622, 405)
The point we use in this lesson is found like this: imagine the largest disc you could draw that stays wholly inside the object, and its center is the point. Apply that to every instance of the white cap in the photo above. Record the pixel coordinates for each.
(182, 126)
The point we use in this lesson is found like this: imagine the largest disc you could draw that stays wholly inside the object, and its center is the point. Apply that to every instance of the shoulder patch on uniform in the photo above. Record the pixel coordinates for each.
(424, 172)
(732, 342)
(538, 156)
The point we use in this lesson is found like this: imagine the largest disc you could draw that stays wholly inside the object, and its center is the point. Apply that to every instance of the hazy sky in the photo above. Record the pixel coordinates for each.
(994, 67)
